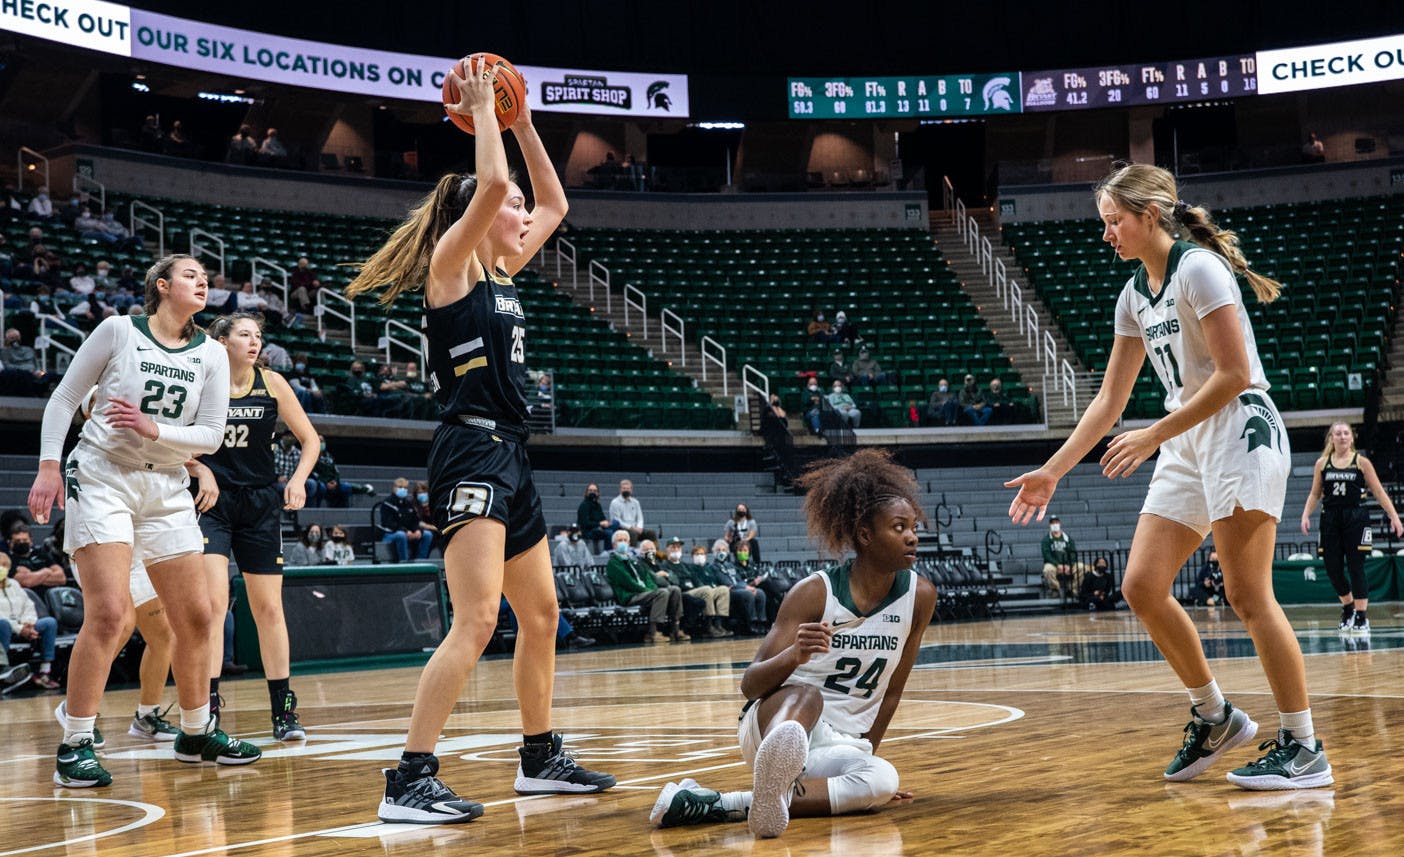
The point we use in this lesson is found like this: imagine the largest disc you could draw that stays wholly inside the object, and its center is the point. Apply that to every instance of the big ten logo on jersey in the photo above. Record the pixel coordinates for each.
(470, 499)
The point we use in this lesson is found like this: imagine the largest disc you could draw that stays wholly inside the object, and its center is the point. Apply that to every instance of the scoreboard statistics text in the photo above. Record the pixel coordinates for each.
(1140, 83)
(914, 96)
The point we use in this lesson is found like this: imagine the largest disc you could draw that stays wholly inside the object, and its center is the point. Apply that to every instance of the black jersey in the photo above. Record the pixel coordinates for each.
(1342, 487)
(477, 356)
(246, 458)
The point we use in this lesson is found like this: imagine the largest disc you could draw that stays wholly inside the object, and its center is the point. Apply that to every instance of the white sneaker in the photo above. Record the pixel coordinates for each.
(779, 762)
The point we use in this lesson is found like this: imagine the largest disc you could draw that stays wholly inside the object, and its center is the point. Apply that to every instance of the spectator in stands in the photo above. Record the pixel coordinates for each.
(286, 456)
(625, 513)
(247, 299)
(545, 395)
(838, 370)
(972, 403)
(633, 583)
(87, 313)
(128, 280)
(103, 278)
(845, 406)
(360, 389)
(70, 212)
(664, 576)
(275, 356)
(301, 293)
(336, 492)
(18, 356)
(1211, 583)
(1314, 152)
(275, 312)
(1060, 569)
(866, 370)
(819, 331)
(272, 151)
(18, 618)
(89, 227)
(391, 390)
(814, 407)
(1099, 587)
(775, 428)
(242, 147)
(741, 530)
(1000, 405)
(150, 135)
(81, 282)
(397, 519)
(421, 397)
(177, 144)
(41, 207)
(337, 550)
(845, 331)
(572, 550)
(307, 550)
(943, 408)
(421, 506)
(10, 206)
(309, 395)
(694, 582)
(118, 233)
(34, 568)
(748, 603)
(590, 516)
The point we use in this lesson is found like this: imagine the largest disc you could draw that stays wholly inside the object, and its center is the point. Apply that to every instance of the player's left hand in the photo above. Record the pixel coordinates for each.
(1396, 527)
(1127, 452)
(294, 495)
(901, 797)
(523, 121)
(123, 414)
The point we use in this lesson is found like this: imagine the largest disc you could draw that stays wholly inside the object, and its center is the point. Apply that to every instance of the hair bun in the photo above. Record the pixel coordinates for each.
(1181, 209)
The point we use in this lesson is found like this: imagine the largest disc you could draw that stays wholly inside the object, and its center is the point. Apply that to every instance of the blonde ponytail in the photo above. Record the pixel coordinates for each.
(402, 264)
(1207, 234)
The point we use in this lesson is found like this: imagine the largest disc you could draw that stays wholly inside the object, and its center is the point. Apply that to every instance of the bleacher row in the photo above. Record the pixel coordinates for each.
(1338, 261)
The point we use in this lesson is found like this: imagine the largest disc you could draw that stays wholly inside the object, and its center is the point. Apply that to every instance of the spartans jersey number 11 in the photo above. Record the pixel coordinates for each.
(1172, 366)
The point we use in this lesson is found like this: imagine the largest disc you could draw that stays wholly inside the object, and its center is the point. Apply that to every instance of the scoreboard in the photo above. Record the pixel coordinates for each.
(911, 96)
(1140, 83)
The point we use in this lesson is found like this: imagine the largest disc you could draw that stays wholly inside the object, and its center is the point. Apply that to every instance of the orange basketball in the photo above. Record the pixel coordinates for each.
(509, 89)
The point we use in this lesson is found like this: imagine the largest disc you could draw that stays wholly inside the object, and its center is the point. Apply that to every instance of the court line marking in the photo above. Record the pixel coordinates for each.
(152, 813)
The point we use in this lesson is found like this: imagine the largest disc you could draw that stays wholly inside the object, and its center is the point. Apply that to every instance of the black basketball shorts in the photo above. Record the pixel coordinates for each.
(1345, 530)
(474, 473)
(246, 523)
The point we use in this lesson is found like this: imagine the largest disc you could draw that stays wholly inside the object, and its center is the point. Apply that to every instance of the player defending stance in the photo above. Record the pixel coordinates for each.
(463, 243)
(1338, 484)
(1223, 466)
(829, 675)
(163, 389)
(240, 505)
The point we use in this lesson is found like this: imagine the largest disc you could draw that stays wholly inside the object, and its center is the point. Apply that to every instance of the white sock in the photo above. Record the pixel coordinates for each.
(78, 729)
(1208, 701)
(1299, 724)
(143, 710)
(736, 804)
(45, 667)
(195, 721)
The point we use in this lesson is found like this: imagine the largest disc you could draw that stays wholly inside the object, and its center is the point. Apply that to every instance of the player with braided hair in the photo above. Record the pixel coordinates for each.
(827, 679)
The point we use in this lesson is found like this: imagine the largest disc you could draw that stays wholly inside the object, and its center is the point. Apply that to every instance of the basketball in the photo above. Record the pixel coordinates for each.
(509, 89)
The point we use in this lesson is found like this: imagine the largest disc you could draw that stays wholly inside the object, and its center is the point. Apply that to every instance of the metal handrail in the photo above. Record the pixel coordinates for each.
(420, 350)
(712, 357)
(947, 196)
(36, 158)
(79, 179)
(747, 373)
(322, 311)
(257, 276)
(43, 342)
(604, 283)
(641, 305)
(561, 257)
(198, 248)
(678, 329)
(136, 222)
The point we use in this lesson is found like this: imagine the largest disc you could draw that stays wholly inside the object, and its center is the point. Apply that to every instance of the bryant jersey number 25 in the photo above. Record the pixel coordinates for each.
(518, 344)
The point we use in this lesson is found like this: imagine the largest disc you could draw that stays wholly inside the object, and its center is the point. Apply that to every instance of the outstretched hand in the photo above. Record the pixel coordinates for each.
(475, 90)
(1035, 492)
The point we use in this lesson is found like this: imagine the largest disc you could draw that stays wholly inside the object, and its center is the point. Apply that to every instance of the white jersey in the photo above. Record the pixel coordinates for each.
(184, 390)
(864, 652)
(1197, 282)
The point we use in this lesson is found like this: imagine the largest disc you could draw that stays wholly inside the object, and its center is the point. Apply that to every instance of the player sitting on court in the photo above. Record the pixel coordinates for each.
(823, 687)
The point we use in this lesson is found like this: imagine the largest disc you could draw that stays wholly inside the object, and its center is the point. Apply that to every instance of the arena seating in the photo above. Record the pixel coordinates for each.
(1340, 274)
(754, 292)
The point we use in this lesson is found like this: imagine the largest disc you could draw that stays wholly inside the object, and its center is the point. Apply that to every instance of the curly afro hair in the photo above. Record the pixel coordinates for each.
(842, 494)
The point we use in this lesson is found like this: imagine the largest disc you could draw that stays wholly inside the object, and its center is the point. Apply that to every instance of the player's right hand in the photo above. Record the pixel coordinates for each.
(1035, 492)
(207, 492)
(1306, 525)
(475, 90)
(47, 488)
(811, 638)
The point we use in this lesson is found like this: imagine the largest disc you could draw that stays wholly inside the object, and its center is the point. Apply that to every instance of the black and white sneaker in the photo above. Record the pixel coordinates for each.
(423, 800)
(547, 770)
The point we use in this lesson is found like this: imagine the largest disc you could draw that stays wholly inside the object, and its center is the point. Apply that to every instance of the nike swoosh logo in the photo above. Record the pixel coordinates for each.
(1214, 745)
(1296, 771)
(1142, 309)
(68, 759)
(144, 348)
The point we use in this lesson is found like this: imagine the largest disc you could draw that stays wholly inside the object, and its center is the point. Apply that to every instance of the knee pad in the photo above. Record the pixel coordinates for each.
(865, 786)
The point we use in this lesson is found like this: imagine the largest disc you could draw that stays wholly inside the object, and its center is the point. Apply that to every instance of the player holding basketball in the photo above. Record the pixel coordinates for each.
(163, 389)
(1338, 483)
(463, 243)
(240, 510)
(1223, 466)
(827, 678)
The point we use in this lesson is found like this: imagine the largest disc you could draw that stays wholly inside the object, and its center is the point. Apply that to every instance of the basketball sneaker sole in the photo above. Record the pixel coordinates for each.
(779, 762)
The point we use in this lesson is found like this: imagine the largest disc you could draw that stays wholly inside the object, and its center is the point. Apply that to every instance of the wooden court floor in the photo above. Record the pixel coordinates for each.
(1031, 736)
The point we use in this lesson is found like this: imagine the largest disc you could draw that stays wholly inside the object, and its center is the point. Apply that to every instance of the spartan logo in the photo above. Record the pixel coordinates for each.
(996, 94)
(658, 96)
(71, 488)
(1262, 428)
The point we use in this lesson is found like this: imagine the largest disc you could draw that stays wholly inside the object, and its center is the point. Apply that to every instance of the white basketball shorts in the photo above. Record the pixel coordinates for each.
(107, 502)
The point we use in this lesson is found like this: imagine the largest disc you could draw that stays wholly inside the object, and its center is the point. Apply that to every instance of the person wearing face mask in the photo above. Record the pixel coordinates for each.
(422, 508)
(1099, 587)
(1060, 570)
(337, 550)
(741, 530)
(18, 618)
(1211, 583)
(845, 406)
(595, 526)
(943, 408)
(334, 489)
(818, 330)
(307, 550)
(813, 405)
(845, 329)
(748, 602)
(973, 403)
(424, 406)
(633, 583)
(838, 369)
(572, 550)
(665, 576)
(626, 513)
(397, 520)
(34, 568)
(41, 207)
(696, 584)
(305, 388)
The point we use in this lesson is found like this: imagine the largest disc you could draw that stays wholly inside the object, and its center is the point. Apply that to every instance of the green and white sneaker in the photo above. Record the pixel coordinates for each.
(1205, 742)
(77, 767)
(153, 726)
(1289, 764)
(61, 715)
(688, 803)
(215, 747)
